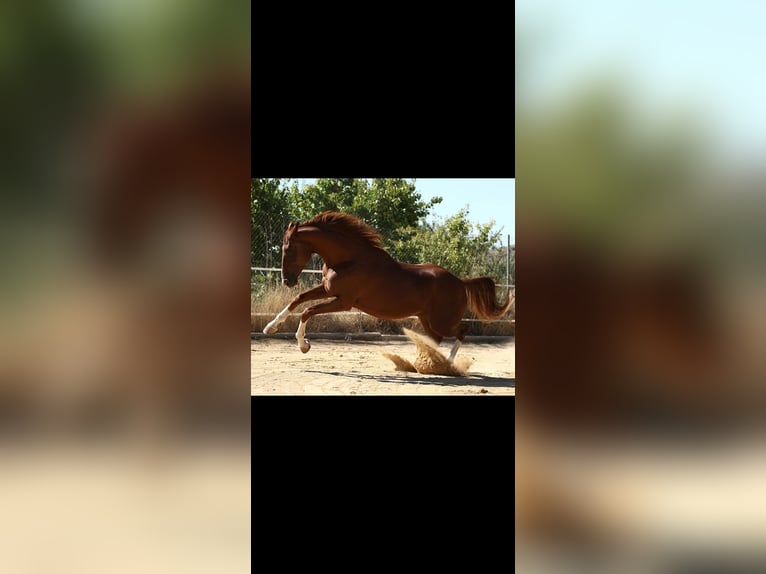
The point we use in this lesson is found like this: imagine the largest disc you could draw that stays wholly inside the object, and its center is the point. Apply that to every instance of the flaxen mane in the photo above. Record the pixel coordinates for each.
(348, 225)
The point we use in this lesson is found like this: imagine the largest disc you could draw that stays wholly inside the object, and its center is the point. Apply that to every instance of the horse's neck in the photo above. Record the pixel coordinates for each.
(331, 247)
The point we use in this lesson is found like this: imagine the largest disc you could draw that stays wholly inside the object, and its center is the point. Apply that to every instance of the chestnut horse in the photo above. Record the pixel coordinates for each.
(359, 273)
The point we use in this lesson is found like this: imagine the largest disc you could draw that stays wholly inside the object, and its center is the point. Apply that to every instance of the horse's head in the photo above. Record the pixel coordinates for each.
(295, 255)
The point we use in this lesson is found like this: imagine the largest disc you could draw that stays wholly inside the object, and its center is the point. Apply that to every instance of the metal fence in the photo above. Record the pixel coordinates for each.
(266, 233)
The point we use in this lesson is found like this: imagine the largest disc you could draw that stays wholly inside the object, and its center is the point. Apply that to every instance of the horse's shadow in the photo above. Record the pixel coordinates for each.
(470, 379)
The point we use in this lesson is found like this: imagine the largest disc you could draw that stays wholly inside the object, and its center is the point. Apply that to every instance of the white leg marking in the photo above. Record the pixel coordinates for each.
(453, 352)
(303, 343)
(271, 328)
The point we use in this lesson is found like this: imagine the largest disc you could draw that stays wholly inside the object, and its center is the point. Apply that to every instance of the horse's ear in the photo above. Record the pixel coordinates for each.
(293, 225)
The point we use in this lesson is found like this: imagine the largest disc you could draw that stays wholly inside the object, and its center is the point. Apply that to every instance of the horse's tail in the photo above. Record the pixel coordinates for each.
(481, 298)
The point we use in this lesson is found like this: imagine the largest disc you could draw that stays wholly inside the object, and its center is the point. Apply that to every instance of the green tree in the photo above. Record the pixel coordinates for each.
(392, 206)
(460, 246)
(328, 194)
(494, 265)
(270, 213)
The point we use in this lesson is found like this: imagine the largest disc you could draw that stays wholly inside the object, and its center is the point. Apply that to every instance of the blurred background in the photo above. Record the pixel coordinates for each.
(124, 411)
(640, 146)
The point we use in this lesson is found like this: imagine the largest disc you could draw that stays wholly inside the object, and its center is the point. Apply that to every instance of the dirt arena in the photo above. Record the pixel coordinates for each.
(337, 367)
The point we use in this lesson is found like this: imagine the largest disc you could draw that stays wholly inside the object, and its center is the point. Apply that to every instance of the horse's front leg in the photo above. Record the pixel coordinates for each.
(336, 304)
(317, 292)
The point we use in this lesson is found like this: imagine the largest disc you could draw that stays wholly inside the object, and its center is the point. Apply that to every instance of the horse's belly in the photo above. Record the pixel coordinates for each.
(387, 310)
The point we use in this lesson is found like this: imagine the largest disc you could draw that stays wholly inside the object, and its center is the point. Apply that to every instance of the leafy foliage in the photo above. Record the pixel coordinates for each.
(456, 244)
(270, 212)
(392, 206)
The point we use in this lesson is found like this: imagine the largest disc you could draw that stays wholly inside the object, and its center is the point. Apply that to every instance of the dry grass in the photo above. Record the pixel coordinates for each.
(272, 301)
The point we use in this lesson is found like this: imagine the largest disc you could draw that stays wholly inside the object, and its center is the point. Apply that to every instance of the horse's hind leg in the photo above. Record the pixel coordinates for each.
(317, 292)
(461, 331)
(336, 304)
(438, 330)
(429, 329)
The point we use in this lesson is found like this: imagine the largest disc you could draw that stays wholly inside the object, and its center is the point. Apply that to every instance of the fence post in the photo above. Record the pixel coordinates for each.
(508, 263)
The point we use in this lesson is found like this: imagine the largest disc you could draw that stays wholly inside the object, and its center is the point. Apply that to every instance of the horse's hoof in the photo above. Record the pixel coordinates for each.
(305, 346)
(269, 330)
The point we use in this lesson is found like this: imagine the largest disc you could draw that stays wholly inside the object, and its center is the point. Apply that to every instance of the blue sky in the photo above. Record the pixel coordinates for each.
(487, 199)
(705, 58)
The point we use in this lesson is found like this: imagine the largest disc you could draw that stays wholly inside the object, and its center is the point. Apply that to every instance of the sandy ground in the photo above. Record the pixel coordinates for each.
(335, 367)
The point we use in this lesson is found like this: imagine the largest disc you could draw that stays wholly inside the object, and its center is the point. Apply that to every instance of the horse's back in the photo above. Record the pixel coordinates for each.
(404, 289)
(442, 286)
(430, 270)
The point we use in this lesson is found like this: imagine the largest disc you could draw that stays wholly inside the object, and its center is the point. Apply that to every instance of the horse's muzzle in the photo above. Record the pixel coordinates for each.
(289, 282)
